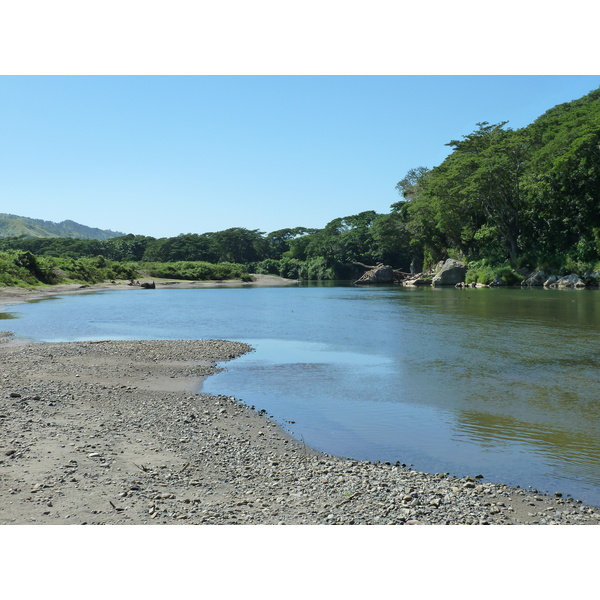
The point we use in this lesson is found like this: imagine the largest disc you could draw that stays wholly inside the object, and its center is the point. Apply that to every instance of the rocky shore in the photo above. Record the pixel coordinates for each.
(115, 432)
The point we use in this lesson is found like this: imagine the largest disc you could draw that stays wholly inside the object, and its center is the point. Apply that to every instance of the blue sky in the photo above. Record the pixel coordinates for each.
(164, 155)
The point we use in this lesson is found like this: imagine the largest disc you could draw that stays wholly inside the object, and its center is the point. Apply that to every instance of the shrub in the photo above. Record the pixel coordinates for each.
(482, 272)
(196, 270)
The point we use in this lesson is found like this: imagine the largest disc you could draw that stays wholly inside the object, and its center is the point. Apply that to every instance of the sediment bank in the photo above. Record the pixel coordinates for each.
(15, 295)
(114, 432)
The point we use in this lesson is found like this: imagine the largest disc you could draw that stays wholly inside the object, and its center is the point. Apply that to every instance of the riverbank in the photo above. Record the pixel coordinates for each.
(113, 433)
(15, 295)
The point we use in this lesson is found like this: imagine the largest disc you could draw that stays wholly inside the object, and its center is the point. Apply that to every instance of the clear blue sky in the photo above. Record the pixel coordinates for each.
(164, 155)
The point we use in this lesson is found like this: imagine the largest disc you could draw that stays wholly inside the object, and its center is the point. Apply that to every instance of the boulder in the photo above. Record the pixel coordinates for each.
(551, 280)
(535, 279)
(452, 272)
(498, 281)
(569, 281)
(417, 280)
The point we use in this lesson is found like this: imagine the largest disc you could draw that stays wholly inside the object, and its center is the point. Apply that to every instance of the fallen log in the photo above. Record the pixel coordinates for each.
(380, 274)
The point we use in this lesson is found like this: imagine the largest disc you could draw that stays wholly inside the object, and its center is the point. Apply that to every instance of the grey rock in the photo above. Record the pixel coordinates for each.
(535, 279)
(569, 281)
(452, 272)
(498, 281)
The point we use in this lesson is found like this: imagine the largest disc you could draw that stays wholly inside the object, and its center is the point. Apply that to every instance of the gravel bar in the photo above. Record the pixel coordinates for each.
(115, 432)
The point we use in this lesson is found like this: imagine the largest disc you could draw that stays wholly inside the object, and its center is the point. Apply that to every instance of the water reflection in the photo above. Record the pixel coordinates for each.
(555, 443)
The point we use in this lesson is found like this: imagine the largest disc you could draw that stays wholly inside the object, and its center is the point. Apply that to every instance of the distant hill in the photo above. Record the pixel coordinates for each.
(15, 226)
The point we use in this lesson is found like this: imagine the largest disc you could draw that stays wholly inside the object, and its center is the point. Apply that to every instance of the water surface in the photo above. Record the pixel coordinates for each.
(499, 382)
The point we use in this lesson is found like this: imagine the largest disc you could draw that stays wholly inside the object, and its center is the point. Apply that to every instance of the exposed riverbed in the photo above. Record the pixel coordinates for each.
(112, 432)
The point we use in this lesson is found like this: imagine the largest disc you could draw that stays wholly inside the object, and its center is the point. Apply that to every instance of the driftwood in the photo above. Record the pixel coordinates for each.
(381, 274)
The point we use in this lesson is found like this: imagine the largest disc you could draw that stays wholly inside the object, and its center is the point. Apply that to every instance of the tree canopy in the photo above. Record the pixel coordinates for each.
(526, 197)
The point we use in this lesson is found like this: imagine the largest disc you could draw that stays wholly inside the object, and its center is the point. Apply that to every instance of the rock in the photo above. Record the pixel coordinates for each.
(570, 281)
(418, 280)
(498, 281)
(535, 279)
(452, 272)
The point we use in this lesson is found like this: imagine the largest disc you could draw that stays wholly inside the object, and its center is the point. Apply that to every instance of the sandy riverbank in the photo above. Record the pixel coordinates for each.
(114, 432)
(14, 295)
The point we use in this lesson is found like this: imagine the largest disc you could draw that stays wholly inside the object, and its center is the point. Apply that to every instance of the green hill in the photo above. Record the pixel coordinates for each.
(528, 196)
(15, 226)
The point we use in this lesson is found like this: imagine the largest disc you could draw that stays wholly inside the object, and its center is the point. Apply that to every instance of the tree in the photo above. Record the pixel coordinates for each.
(239, 245)
(498, 185)
(279, 242)
(392, 241)
(476, 187)
(408, 187)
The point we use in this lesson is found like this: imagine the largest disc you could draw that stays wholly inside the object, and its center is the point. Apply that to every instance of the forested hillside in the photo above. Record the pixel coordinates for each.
(529, 196)
(15, 226)
(503, 200)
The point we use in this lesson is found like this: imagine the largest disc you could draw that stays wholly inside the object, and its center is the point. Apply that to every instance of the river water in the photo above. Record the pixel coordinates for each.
(498, 382)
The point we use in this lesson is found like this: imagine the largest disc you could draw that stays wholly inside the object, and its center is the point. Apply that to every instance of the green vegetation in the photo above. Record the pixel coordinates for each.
(197, 270)
(483, 272)
(529, 196)
(15, 226)
(22, 268)
(503, 200)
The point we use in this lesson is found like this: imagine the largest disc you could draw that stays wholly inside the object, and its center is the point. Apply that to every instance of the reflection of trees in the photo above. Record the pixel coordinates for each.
(564, 308)
(560, 445)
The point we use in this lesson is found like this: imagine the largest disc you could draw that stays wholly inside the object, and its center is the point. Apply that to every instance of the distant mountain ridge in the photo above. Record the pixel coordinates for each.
(15, 226)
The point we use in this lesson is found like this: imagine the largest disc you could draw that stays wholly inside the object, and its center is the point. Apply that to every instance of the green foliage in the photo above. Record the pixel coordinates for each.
(196, 270)
(22, 268)
(528, 196)
(484, 272)
(480, 274)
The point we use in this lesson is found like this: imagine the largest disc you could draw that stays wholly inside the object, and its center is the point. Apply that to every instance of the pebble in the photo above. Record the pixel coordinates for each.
(174, 458)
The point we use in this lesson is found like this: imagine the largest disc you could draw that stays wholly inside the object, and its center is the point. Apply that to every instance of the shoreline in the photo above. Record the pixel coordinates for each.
(16, 295)
(113, 432)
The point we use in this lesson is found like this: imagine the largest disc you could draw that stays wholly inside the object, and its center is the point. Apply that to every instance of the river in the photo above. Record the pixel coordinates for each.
(502, 383)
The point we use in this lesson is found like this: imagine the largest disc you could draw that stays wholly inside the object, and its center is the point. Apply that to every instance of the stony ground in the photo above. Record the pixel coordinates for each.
(114, 433)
